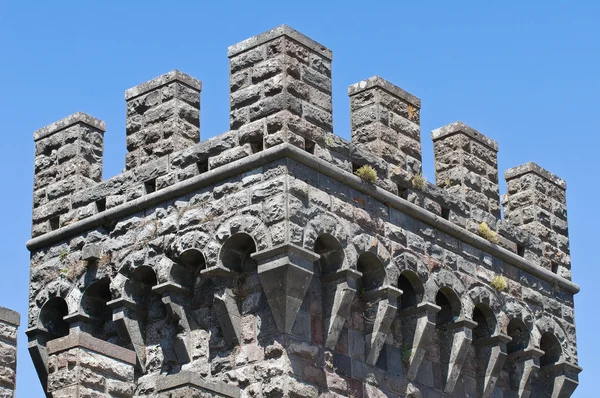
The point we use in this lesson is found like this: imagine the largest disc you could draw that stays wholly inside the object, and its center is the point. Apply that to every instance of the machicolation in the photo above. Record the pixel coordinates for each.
(258, 264)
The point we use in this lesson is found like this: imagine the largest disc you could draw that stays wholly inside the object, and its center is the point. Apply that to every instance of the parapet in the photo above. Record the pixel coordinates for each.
(281, 93)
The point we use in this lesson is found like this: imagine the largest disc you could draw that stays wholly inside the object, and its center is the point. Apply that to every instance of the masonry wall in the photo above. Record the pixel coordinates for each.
(9, 323)
(257, 264)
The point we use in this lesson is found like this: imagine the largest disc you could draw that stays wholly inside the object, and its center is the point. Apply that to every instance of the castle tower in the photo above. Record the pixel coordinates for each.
(270, 261)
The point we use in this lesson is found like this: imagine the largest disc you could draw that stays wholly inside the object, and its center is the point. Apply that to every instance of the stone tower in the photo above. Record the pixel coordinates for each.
(280, 260)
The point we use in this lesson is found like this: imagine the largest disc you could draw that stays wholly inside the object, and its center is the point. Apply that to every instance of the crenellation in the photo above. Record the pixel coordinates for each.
(68, 159)
(282, 78)
(536, 202)
(257, 263)
(466, 164)
(386, 121)
(163, 116)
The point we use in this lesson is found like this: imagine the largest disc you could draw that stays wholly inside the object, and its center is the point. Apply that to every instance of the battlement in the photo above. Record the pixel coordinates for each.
(279, 80)
(279, 195)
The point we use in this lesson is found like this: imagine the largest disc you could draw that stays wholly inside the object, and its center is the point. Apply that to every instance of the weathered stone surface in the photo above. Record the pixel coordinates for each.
(257, 264)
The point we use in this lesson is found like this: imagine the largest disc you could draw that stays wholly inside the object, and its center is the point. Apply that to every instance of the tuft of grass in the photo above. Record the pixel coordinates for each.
(367, 173)
(406, 353)
(412, 113)
(418, 181)
(329, 141)
(499, 283)
(62, 256)
(486, 232)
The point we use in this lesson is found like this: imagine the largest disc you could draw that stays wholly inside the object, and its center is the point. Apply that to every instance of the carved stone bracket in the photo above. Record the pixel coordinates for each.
(422, 320)
(560, 379)
(37, 339)
(285, 272)
(173, 297)
(524, 366)
(386, 311)
(80, 321)
(225, 304)
(130, 327)
(339, 289)
(460, 336)
(491, 351)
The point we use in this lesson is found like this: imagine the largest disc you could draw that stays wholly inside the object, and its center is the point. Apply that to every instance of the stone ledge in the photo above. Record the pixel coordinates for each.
(9, 316)
(186, 378)
(377, 81)
(282, 30)
(68, 121)
(532, 167)
(162, 80)
(460, 127)
(84, 340)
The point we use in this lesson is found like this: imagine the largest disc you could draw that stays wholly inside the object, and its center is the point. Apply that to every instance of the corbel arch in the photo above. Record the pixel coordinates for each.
(251, 226)
(324, 231)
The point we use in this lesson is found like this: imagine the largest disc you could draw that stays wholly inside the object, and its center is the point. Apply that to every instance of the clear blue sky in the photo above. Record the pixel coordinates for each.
(524, 73)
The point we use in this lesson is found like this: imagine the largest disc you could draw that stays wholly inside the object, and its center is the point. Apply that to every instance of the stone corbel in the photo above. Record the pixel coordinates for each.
(386, 311)
(460, 334)
(561, 379)
(423, 316)
(130, 327)
(339, 289)
(491, 350)
(285, 272)
(173, 296)
(225, 304)
(524, 366)
(37, 339)
(83, 322)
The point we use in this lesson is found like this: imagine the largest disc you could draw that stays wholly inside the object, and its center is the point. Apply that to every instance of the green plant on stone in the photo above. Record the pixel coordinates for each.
(367, 173)
(329, 141)
(499, 283)
(62, 256)
(406, 353)
(486, 232)
(418, 181)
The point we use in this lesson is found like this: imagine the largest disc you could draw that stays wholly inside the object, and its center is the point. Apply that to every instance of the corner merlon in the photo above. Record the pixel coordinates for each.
(460, 127)
(377, 81)
(174, 75)
(68, 121)
(282, 30)
(532, 167)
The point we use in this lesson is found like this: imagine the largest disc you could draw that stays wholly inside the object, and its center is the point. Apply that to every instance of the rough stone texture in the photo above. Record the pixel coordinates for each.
(9, 323)
(80, 365)
(466, 163)
(163, 116)
(68, 158)
(386, 120)
(537, 202)
(256, 264)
